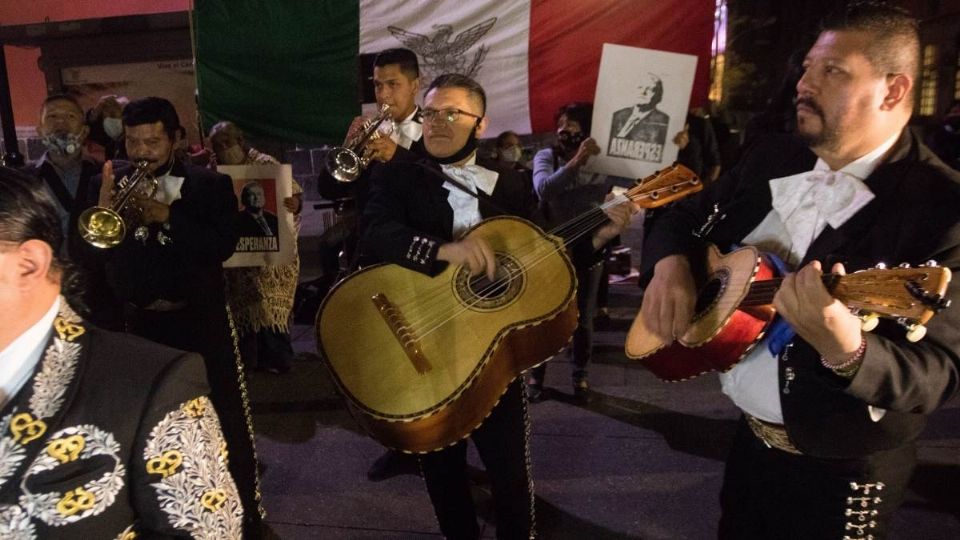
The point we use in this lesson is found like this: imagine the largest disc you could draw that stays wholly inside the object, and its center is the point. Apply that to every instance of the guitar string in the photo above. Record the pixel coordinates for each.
(429, 301)
(437, 323)
(636, 194)
(543, 250)
(438, 296)
(433, 325)
(580, 224)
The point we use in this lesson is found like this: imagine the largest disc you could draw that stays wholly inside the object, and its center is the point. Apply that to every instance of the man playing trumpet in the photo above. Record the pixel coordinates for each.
(396, 80)
(170, 277)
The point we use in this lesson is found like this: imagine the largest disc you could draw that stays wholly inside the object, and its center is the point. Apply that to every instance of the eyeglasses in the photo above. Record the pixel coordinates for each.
(450, 115)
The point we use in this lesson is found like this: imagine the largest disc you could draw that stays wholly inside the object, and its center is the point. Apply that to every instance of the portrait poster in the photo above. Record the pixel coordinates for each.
(640, 105)
(267, 233)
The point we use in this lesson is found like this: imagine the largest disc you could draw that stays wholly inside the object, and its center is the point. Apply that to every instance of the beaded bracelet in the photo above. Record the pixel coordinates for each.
(849, 366)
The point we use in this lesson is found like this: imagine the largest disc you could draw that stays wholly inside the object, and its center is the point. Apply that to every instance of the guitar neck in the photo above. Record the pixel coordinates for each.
(761, 293)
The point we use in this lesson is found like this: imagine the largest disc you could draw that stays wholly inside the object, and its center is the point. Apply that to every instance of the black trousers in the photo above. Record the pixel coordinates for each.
(207, 331)
(266, 348)
(588, 285)
(502, 444)
(768, 493)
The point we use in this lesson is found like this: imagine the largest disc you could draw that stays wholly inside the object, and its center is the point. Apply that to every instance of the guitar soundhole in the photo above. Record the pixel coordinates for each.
(480, 293)
(710, 293)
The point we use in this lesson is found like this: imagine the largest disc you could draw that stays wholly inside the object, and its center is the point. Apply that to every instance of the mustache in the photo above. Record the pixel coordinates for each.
(809, 102)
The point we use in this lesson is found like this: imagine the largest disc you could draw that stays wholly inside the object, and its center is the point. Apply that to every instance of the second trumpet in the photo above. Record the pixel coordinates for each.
(345, 163)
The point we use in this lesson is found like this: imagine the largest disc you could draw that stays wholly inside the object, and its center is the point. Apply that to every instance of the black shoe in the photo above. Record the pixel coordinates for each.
(601, 321)
(535, 393)
(581, 392)
(393, 463)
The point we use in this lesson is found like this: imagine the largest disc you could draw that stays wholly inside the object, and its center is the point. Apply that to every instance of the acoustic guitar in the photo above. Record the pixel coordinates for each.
(734, 308)
(423, 360)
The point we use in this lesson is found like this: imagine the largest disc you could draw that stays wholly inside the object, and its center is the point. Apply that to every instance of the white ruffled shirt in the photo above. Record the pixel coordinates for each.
(466, 208)
(20, 357)
(803, 205)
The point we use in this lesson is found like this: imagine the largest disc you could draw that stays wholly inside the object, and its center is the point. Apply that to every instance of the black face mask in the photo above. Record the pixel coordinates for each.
(468, 148)
(570, 142)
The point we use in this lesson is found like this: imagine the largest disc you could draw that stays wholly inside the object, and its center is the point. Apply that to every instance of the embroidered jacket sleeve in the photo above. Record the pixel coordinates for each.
(394, 231)
(180, 484)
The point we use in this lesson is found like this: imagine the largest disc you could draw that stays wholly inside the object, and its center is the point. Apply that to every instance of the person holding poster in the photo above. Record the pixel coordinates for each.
(260, 297)
(566, 191)
(825, 446)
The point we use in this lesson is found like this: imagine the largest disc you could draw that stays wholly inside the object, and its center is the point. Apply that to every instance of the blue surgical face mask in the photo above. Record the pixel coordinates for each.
(65, 144)
(113, 127)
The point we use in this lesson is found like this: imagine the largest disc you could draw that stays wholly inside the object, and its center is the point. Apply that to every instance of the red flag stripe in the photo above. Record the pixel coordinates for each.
(567, 37)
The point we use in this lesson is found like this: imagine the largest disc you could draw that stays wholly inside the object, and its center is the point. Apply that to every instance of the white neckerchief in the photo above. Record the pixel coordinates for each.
(168, 189)
(753, 383)
(20, 357)
(409, 130)
(804, 204)
(466, 208)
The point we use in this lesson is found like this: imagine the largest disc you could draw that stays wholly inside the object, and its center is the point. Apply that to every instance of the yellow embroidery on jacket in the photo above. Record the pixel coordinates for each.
(67, 330)
(66, 449)
(25, 428)
(201, 497)
(165, 464)
(75, 501)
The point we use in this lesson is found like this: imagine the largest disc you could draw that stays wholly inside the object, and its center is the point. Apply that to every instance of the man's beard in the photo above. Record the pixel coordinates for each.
(828, 138)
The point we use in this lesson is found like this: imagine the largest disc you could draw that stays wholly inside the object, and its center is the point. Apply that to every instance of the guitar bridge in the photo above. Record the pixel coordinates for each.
(401, 331)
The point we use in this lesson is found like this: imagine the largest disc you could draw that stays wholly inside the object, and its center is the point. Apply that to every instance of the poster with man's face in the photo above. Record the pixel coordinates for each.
(267, 234)
(640, 105)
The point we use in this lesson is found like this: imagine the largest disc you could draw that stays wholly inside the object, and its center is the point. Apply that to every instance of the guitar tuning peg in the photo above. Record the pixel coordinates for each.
(869, 322)
(931, 263)
(915, 332)
(881, 266)
(904, 265)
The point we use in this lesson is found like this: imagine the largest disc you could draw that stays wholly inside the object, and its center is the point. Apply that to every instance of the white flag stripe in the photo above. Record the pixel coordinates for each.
(486, 39)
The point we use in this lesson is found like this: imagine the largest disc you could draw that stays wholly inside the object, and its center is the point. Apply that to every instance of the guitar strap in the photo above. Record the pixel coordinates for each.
(780, 332)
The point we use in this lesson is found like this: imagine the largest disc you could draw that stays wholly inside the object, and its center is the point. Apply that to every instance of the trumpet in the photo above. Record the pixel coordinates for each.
(106, 227)
(345, 163)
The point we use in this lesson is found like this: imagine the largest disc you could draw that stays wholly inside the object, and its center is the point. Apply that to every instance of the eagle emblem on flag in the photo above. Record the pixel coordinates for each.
(440, 54)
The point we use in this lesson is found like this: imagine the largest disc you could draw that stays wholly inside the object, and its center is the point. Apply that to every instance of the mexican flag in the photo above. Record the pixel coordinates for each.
(292, 69)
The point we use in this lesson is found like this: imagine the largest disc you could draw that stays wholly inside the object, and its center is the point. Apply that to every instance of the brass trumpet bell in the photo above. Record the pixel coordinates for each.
(345, 163)
(101, 227)
(105, 227)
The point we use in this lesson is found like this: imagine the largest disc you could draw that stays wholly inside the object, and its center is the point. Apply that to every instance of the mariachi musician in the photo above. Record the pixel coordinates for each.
(825, 447)
(414, 215)
(396, 81)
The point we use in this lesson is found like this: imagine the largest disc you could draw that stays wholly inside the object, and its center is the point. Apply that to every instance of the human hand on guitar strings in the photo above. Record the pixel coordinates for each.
(669, 299)
(619, 216)
(474, 253)
(819, 318)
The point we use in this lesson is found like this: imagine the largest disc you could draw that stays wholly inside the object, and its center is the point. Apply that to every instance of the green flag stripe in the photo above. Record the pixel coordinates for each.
(285, 70)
